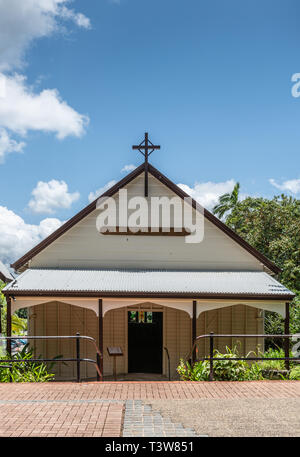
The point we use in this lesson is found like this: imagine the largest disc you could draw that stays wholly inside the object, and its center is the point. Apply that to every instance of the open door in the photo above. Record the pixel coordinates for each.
(145, 341)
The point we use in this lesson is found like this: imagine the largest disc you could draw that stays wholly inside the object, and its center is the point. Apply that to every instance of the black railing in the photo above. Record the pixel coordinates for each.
(211, 357)
(78, 359)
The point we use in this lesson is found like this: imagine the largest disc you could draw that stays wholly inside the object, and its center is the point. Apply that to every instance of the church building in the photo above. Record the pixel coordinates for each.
(149, 292)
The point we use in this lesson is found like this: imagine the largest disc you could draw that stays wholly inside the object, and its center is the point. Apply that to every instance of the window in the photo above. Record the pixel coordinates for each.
(140, 317)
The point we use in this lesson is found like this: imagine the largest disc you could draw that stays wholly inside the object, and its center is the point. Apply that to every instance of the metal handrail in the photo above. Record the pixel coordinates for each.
(211, 357)
(251, 335)
(168, 355)
(78, 359)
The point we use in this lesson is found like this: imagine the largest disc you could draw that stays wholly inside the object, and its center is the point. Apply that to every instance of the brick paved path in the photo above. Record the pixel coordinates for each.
(149, 390)
(60, 418)
(97, 409)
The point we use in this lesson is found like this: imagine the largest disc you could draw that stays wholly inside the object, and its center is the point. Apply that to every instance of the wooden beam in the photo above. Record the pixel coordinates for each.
(147, 231)
(287, 332)
(194, 328)
(146, 164)
(138, 147)
(100, 333)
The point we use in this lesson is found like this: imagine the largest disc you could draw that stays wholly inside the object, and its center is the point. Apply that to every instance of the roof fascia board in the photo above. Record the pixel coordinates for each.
(99, 294)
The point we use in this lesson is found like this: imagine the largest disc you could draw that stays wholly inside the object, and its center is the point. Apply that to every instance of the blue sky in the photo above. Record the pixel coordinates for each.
(209, 80)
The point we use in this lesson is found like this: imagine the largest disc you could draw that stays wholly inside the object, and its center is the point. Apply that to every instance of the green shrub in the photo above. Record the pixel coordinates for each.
(25, 371)
(232, 370)
(295, 373)
(275, 369)
(224, 370)
(239, 370)
(272, 364)
(198, 372)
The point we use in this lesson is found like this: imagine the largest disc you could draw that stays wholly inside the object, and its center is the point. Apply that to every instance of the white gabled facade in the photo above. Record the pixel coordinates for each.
(83, 246)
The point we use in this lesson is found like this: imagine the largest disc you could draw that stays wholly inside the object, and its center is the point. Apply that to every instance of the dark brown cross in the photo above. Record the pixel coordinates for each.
(146, 148)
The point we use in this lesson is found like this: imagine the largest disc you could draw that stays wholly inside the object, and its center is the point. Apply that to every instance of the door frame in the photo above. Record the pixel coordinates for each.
(145, 308)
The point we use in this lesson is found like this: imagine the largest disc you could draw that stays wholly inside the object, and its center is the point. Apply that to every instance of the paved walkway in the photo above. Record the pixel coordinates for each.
(141, 420)
(111, 408)
(21, 418)
(149, 390)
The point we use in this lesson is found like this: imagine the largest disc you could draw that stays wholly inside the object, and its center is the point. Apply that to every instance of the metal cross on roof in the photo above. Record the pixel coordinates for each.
(146, 148)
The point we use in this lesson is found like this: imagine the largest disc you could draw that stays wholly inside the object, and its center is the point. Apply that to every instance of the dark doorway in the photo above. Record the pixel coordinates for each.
(144, 342)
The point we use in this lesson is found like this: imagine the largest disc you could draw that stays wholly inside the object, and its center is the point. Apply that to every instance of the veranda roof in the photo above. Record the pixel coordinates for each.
(5, 275)
(121, 282)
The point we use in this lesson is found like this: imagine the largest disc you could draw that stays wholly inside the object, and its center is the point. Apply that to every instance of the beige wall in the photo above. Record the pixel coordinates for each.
(57, 318)
(238, 319)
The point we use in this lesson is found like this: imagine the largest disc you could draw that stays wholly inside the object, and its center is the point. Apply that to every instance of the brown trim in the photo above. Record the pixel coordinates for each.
(287, 332)
(100, 332)
(194, 329)
(195, 296)
(4, 278)
(8, 325)
(166, 181)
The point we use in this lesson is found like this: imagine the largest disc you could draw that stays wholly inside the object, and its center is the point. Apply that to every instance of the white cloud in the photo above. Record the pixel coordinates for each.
(17, 237)
(80, 19)
(93, 195)
(128, 168)
(208, 193)
(8, 145)
(50, 196)
(21, 110)
(22, 21)
(292, 185)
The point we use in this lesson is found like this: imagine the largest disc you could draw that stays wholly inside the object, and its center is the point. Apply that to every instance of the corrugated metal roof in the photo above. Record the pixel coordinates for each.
(5, 275)
(148, 281)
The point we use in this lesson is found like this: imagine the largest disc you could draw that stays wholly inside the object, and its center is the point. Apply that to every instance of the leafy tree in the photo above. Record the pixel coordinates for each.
(227, 202)
(272, 226)
(22, 313)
